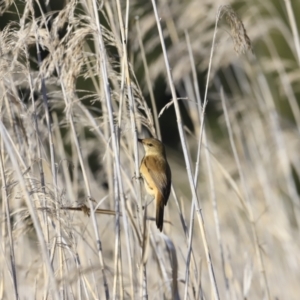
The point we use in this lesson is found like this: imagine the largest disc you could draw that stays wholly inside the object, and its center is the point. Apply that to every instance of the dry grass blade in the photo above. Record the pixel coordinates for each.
(174, 265)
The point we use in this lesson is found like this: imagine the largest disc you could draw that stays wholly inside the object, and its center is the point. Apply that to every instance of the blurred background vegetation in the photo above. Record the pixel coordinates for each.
(198, 20)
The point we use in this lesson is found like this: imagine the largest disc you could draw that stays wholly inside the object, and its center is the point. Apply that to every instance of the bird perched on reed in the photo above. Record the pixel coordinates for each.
(156, 174)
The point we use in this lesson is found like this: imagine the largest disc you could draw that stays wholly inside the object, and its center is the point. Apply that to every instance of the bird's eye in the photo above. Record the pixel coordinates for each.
(150, 145)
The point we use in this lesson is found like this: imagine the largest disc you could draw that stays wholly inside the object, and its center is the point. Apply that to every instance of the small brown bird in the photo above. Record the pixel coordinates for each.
(156, 174)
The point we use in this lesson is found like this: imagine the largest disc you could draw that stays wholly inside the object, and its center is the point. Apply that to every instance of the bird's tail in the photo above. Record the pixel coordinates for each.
(160, 206)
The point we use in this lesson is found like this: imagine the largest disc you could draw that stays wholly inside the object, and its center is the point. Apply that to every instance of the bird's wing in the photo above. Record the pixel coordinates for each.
(160, 173)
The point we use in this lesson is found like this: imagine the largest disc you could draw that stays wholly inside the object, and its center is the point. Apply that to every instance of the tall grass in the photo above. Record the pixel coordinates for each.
(75, 220)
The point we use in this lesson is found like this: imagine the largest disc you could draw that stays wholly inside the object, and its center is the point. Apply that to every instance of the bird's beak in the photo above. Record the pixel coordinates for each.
(140, 140)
